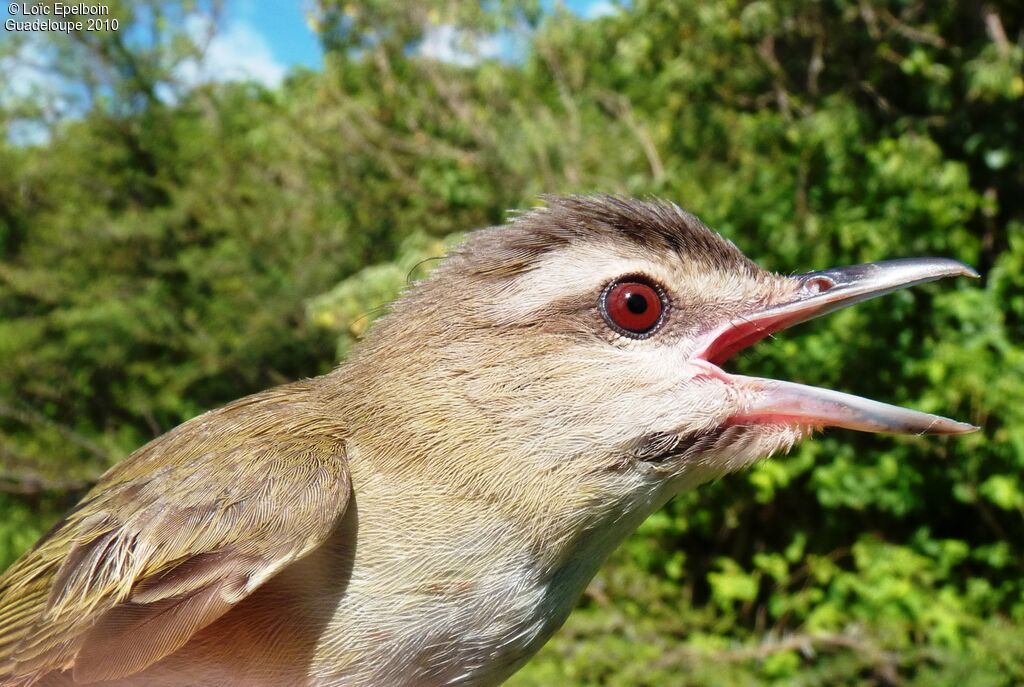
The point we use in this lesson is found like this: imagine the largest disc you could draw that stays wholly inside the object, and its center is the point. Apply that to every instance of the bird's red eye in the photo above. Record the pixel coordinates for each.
(632, 307)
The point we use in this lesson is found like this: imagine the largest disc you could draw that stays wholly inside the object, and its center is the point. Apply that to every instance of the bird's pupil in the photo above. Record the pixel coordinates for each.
(636, 303)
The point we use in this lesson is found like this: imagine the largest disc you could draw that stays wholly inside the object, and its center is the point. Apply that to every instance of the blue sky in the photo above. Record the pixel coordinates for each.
(256, 39)
(281, 24)
(265, 38)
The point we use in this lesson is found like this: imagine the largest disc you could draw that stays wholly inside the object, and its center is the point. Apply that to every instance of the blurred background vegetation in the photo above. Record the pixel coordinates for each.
(168, 244)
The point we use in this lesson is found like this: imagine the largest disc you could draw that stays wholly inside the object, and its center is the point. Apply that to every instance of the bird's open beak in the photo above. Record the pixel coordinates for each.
(769, 400)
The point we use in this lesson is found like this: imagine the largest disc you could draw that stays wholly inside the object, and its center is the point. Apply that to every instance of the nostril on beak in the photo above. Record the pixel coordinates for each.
(818, 284)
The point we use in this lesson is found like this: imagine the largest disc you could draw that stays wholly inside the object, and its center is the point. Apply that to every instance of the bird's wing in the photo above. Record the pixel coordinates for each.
(172, 538)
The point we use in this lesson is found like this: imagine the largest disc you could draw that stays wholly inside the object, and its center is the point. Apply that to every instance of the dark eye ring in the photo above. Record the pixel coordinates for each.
(633, 306)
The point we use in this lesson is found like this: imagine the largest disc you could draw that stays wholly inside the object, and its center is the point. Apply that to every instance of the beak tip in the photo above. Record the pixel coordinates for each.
(954, 427)
(969, 271)
(948, 267)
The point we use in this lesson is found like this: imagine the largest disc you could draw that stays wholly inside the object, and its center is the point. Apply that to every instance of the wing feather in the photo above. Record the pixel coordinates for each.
(170, 539)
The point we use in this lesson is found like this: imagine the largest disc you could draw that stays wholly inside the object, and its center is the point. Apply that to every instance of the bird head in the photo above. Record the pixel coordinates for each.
(581, 345)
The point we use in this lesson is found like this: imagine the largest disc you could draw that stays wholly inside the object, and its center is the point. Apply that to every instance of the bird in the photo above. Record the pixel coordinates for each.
(429, 512)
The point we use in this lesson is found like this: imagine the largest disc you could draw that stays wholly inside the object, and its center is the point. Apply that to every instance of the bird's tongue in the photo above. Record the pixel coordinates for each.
(774, 401)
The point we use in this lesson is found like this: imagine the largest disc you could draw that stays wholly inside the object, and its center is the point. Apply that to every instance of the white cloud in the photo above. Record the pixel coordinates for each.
(242, 52)
(236, 53)
(446, 43)
(30, 79)
(600, 8)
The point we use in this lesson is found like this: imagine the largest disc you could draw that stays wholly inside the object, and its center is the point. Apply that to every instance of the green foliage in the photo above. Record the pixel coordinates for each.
(343, 309)
(161, 258)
